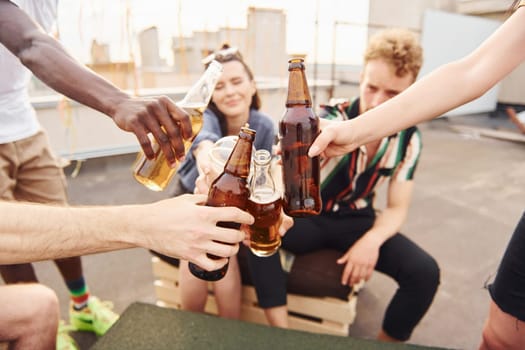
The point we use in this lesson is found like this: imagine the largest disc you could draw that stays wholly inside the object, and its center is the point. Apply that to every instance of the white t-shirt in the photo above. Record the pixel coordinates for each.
(17, 117)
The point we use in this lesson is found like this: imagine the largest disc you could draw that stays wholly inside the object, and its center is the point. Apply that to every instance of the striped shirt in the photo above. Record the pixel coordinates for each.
(349, 182)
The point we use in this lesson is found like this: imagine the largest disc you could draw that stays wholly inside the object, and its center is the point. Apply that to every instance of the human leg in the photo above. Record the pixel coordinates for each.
(30, 325)
(40, 179)
(13, 166)
(502, 331)
(417, 275)
(267, 274)
(10, 163)
(505, 325)
(18, 273)
(269, 281)
(228, 291)
(193, 291)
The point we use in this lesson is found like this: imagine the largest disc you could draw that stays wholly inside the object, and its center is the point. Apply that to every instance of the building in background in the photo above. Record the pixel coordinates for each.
(263, 42)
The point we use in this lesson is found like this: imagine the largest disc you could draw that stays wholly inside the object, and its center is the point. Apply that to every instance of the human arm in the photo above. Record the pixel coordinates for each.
(445, 88)
(180, 227)
(361, 257)
(50, 62)
(197, 159)
(202, 157)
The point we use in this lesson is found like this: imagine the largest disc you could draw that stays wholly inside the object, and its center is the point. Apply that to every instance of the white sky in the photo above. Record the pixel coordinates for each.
(81, 21)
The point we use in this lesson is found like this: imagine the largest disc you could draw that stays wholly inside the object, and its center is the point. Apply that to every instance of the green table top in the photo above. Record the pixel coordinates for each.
(146, 326)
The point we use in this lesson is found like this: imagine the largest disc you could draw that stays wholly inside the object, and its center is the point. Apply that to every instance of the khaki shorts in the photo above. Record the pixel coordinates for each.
(30, 172)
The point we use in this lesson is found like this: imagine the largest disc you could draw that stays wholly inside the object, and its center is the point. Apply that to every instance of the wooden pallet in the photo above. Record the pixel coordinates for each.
(313, 314)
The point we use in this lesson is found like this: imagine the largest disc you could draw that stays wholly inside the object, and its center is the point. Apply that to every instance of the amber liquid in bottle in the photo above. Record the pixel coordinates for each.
(156, 173)
(230, 189)
(298, 129)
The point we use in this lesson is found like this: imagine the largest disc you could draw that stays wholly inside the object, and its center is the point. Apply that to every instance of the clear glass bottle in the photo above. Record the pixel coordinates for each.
(265, 205)
(298, 128)
(230, 189)
(156, 173)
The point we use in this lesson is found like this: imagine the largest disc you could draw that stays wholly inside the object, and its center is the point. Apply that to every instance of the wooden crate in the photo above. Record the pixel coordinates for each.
(313, 314)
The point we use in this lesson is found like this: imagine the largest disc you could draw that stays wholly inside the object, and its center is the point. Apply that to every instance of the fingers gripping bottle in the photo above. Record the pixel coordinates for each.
(230, 189)
(298, 128)
(156, 173)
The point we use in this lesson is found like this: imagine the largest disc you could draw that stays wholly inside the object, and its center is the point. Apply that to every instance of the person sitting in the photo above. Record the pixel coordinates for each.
(234, 103)
(348, 222)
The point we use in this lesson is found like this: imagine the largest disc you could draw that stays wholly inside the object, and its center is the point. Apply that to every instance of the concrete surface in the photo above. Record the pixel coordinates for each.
(469, 196)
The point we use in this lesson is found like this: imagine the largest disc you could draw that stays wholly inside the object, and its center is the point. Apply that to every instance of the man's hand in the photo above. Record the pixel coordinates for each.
(360, 260)
(335, 139)
(159, 116)
(183, 227)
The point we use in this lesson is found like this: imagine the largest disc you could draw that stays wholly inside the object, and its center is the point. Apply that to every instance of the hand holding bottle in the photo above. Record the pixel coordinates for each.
(156, 173)
(230, 189)
(160, 117)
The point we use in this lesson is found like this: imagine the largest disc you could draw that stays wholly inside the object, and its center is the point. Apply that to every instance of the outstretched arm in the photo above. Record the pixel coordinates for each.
(445, 88)
(50, 62)
(180, 227)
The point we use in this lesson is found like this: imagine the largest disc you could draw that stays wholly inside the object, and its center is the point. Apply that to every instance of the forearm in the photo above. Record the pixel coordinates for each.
(426, 99)
(49, 61)
(387, 224)
(32, 232)
(449, 86)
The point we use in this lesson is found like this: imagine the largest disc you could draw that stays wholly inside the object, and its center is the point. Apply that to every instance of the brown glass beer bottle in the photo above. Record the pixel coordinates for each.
(298, 128)
(230, 189)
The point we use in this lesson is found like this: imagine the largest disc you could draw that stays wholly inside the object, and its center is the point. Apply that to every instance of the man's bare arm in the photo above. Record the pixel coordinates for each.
(51, 63)
(180, 227)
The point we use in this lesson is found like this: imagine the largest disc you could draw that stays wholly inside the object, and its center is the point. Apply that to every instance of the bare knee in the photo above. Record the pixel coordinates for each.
(47, 300)
(42, 313)
(502, 331)
(491, 340)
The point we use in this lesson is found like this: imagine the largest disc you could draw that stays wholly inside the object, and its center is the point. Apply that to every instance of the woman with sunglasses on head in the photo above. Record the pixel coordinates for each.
(448, 87)
(234, 103)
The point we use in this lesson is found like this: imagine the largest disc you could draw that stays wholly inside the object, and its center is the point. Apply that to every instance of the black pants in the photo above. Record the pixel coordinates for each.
(415, 271)
(508, 289)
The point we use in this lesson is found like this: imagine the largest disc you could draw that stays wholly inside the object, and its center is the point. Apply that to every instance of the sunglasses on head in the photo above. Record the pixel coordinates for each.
(223, 55)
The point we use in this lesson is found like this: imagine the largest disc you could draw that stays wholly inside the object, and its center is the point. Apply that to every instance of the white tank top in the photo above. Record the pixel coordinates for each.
(17, 117)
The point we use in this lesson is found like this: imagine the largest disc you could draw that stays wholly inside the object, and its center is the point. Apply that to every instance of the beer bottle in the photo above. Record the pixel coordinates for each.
(265, 206)
(298, 128)
(156, 173)
(230, 189)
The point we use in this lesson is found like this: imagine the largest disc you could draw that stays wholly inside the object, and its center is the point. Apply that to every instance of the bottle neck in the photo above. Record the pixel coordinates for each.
(239, 162)
(262, 179)
(202, 91)
(298, 92)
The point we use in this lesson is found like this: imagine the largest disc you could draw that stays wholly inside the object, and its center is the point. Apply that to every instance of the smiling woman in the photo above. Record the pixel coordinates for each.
(234, 103)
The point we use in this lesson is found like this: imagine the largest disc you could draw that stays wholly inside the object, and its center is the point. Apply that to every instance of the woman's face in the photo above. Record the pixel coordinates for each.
(234, 90)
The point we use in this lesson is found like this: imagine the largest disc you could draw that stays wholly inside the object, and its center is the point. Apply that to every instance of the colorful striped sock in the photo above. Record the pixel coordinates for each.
(79, 293)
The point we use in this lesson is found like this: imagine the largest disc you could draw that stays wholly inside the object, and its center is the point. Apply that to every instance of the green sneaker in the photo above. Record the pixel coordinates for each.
(64, 340)
(97, 316)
